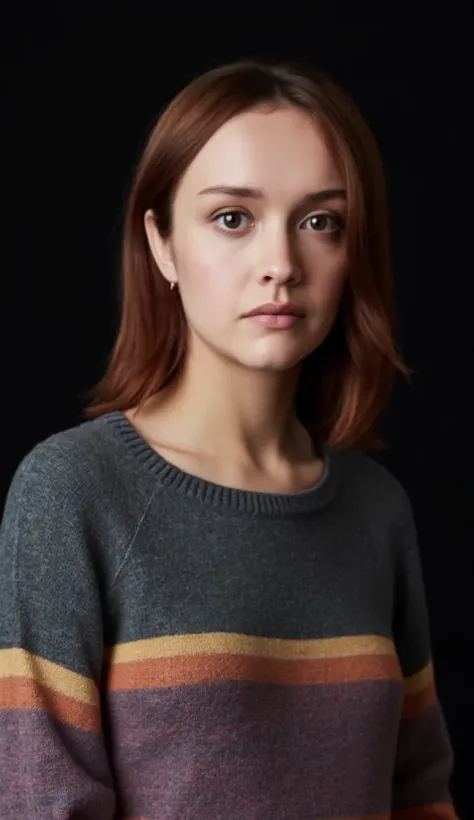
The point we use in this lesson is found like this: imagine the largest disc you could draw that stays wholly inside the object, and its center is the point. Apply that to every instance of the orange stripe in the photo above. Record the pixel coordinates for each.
(433, 811)
(24, 693)
(415, 704)
(179, 671)
(19, 663)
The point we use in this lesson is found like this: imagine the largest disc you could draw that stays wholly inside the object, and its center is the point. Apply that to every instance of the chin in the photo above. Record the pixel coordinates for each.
(274, 363)
(279, 354)
(275, 355)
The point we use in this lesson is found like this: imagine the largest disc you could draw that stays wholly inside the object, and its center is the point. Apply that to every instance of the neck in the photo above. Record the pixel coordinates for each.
(230, 413)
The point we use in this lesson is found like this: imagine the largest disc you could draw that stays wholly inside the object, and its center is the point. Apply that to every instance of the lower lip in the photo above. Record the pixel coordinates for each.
(276, 321)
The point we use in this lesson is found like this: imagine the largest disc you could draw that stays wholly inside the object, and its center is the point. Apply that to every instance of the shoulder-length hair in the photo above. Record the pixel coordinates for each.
(345, 384)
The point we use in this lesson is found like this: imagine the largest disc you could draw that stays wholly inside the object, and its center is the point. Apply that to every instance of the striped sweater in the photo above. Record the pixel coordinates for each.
(171, 649)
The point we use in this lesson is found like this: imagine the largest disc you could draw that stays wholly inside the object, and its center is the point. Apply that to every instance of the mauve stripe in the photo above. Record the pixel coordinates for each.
(438, 811)
(25, 693)
(384, 816)
(435, 811)
(185, 670)
(419, 701)
(424, 760)
(72, 779)
(255, 751)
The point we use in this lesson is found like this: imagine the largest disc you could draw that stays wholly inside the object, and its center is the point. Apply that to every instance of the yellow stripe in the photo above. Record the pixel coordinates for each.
(415, 683)
(238, 644)
(18, 663)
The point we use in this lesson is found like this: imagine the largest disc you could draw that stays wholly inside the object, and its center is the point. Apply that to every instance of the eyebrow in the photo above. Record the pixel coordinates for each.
(255, 193)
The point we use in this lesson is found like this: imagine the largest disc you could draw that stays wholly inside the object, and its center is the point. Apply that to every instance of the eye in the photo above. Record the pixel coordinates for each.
(232, 221)
(327, 223)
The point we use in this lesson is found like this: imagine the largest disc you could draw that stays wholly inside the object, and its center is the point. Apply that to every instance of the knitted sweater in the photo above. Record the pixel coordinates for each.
(172, 649)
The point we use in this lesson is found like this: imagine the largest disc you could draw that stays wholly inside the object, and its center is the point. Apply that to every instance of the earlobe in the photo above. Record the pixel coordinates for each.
(160, 248)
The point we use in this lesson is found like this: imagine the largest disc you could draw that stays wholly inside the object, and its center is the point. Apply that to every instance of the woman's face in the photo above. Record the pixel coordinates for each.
(258, 219)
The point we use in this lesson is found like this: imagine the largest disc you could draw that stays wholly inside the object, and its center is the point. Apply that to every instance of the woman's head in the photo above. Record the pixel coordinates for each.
(257, 218)
(260, 184)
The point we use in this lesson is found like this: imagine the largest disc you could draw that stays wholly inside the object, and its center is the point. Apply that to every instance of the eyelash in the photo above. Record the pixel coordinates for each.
(337, 218)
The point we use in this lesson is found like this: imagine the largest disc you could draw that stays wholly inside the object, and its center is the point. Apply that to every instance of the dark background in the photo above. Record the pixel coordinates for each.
(81, 86)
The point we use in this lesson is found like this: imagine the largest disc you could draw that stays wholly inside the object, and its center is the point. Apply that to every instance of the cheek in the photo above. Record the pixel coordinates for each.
(327, 272)
(336, 283)
(205, 278)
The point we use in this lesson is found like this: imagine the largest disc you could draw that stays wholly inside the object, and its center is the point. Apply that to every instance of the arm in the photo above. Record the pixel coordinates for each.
(424, 756)
(52, 759)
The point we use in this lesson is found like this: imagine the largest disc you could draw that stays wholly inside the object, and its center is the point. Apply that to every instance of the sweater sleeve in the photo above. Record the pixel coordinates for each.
(424, 758)
(53, 762)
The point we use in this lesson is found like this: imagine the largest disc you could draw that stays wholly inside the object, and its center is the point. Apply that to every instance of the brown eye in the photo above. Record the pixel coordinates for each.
(323, 222)
(232, 220)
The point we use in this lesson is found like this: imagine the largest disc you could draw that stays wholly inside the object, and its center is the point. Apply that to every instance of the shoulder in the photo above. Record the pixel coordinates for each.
(83, 473)
(74, 502)
(372, 486)
(65, 461)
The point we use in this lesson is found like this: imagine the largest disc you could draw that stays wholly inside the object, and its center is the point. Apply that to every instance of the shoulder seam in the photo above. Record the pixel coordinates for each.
(130, 546)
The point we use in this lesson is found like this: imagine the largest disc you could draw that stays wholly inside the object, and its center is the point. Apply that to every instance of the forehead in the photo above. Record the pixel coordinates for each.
(278, 150)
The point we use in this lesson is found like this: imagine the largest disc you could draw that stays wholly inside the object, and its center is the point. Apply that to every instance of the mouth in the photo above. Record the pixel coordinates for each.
(275, 315)
(275, 321)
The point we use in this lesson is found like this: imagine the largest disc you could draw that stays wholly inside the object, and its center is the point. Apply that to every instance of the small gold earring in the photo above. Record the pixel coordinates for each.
(172, 285)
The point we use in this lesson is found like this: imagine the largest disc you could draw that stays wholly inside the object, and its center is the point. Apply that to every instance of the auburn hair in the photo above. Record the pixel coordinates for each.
(345, 384)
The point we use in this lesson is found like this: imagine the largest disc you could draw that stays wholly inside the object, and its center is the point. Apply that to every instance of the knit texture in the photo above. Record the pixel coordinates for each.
(171, 649)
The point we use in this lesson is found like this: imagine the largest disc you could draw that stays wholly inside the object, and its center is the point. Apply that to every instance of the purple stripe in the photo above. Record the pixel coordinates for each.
(251, 751)
(424, 760)
(229, 750)
(50, 770)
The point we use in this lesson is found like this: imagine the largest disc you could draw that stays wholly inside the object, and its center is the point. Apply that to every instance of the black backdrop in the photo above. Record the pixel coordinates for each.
(81, 86)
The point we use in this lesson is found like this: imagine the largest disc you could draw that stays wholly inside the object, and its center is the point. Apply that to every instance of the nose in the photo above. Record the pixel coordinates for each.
(277, 260)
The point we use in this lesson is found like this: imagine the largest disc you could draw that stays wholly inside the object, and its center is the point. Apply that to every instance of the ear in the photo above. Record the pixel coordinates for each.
(160, 248)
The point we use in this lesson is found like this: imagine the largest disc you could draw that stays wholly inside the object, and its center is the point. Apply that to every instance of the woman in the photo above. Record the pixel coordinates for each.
(212, 598)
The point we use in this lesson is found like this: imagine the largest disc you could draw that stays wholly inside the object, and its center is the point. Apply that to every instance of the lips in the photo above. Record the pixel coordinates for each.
(276, 309)
(276, 316)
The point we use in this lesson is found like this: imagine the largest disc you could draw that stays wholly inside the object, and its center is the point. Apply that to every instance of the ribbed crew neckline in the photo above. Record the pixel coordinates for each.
(217, 495)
